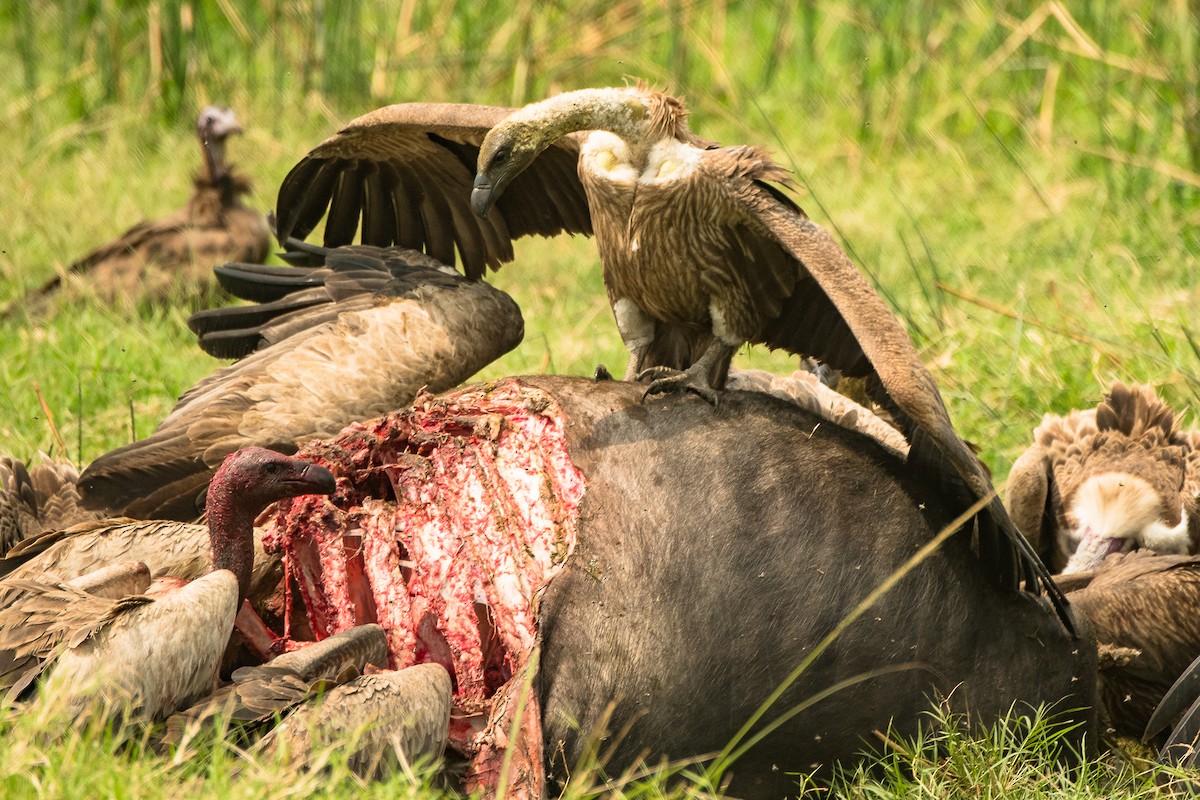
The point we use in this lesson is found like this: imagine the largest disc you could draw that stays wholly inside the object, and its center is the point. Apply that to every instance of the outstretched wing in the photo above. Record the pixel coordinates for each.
(405, 173)
(850, 327)
(359, 337)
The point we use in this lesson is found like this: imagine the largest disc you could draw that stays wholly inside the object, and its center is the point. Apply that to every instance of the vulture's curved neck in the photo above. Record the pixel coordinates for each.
(214, 158)
(623, 112)
(231, 535)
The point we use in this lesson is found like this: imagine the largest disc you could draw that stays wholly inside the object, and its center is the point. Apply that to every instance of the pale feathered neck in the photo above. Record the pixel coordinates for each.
(637, 115)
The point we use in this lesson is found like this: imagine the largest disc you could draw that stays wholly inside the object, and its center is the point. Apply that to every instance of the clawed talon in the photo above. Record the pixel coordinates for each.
(602, 373)
(665, 380)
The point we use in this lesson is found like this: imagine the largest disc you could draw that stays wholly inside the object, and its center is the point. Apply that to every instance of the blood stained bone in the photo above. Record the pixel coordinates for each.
(448, 521)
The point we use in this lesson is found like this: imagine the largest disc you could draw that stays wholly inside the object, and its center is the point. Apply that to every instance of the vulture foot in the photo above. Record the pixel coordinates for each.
(602, 374)
(665, 380)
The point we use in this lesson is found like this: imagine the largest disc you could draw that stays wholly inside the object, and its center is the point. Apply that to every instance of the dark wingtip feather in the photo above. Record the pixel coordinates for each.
(1182, 693)
(264, 284)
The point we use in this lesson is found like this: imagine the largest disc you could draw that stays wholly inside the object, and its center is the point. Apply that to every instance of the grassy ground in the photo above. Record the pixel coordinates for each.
(1021, 181)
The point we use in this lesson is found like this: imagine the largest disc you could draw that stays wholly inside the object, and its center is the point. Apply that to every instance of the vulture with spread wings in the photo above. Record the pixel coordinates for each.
(701, 248)
(352, 333)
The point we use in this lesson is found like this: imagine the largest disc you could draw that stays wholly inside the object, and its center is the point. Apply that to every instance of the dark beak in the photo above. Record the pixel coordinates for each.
(317, 480)
(481, 196)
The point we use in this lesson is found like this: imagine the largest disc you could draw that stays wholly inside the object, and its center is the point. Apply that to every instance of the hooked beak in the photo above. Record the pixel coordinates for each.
(481, 195)
(315, 479)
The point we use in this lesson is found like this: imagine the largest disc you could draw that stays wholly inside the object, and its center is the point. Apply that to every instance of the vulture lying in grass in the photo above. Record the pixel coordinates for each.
(568, 515)
(159, 650)
(38, 498)
(1110, 479)
(702, 250)
(349, 340)
(174, 256)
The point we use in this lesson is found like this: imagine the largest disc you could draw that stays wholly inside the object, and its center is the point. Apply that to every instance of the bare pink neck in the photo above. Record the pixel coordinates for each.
(231, 536)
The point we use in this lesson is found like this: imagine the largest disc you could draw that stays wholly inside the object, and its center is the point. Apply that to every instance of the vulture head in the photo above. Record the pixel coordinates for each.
(248, 481)
(1118, 477)
(519, 138)
(1116, 512)
(214, 126)
(506, 151)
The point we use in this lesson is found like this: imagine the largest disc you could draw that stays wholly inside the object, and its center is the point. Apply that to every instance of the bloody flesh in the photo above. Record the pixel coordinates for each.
(448, 521)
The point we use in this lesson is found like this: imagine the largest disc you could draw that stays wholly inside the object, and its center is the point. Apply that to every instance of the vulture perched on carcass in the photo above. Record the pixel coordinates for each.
(174, 256)
(348, 340)
(1108, 479)
(702, 250)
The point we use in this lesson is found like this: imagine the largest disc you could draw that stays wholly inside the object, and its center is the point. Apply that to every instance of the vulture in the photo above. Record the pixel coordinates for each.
(173, 256)
(161, 649)
(37, 498)
(1108, 479)
(701, 248)
(353, 338)
(1141, 610)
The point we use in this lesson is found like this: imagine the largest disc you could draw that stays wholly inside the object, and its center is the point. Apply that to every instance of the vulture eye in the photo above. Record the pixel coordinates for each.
(271, 468)
(500, 156)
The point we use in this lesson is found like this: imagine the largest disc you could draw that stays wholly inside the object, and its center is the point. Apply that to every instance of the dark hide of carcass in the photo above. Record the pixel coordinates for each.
(676, 562)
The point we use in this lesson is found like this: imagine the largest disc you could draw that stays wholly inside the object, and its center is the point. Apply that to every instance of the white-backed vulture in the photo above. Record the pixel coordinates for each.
(702, 249)
(1108, 479)
(162, 649)
(350, 340)
(173, 256)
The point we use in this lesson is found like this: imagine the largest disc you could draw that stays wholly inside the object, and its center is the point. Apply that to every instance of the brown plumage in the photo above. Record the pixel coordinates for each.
(346, 341)
(1109, 479)
(260, 694)
(36, 499)
(158, 651)
(1141, 610)
(702, 249)
(399, 716)
(167, 548)
(173, 256)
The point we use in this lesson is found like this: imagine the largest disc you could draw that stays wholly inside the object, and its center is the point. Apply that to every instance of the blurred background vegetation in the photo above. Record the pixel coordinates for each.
(1020, 179)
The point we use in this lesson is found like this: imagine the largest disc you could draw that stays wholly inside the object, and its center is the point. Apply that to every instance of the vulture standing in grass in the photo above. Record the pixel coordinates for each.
(1108, 479)
(174, 256)
(351, 339)
(162, 649)
(702, 250)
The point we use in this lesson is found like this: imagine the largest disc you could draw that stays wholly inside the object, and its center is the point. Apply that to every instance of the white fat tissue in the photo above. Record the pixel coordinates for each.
(449, 520)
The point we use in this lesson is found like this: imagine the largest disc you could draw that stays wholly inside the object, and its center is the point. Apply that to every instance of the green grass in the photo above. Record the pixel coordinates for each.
(1021, 182)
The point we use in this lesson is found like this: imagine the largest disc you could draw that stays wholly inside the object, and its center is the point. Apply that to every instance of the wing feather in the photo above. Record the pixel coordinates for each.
(405, 171)
(900, 382)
